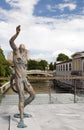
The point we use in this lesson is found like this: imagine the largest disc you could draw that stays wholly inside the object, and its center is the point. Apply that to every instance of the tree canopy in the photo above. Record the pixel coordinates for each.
(4, 65)
(33, 64)
(62, 57)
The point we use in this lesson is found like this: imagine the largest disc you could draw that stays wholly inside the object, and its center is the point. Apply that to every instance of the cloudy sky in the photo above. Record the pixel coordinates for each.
(48, 27)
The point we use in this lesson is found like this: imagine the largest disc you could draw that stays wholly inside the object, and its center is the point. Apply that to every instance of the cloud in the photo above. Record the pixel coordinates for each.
(51, 8)
(69, 0)
(70, 6)
(62, 6)
(48, 36)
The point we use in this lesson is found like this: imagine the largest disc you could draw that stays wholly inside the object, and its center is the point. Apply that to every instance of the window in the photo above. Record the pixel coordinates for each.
(66, 67)
(83, 66)
(70, 67)
(63, 67)
(59, 67)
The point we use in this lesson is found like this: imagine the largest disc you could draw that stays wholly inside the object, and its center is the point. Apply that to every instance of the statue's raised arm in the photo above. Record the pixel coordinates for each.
(12, 39)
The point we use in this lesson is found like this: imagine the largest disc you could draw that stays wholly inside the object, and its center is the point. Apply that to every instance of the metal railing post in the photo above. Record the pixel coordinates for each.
(9, 122)
(74, 90)
(50, 93)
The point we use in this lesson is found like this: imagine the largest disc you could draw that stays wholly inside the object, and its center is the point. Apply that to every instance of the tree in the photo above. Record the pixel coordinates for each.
(4, 65)
(62, 57)
(51, 66)
(2, 57)
(33, 65)
(2, 71)
(43, 64)
(54, 65)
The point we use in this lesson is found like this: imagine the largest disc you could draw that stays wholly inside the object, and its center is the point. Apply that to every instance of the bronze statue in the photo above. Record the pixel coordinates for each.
(20, 76)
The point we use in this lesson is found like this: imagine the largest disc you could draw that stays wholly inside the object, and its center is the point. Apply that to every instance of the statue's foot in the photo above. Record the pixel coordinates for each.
(25, 115)
(17, 115)
(21, 125)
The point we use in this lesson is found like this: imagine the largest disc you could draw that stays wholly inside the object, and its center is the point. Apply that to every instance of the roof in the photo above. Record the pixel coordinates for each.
(61, 62)
(78, 54)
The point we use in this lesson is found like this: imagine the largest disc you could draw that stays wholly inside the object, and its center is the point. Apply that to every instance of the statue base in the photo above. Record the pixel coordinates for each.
(25, 115)
(21, 125)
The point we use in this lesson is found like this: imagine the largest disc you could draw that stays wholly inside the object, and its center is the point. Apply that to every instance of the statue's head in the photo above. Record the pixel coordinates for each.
(22, 47)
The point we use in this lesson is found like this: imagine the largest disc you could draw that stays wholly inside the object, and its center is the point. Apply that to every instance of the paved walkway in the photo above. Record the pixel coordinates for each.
(45, 117)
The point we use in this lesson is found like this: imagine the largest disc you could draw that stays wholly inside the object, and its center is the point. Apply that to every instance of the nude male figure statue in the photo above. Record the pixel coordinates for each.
(20, 62)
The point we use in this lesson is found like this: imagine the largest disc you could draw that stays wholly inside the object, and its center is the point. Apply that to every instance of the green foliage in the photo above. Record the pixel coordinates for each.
(62, 57)
(2, 57)
(4, 65)
(43, 64)
(54, 65)
(51, 66)
(2, 70)
(33, 65)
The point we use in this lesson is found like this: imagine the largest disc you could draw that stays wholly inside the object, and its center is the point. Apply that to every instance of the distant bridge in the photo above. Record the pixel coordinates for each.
(40, 72)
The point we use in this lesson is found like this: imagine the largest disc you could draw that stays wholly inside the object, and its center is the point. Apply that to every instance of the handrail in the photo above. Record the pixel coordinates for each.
(56, 77)
(49, 77)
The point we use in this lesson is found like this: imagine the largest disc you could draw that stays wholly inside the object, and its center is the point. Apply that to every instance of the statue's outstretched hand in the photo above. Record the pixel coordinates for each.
(18, 29)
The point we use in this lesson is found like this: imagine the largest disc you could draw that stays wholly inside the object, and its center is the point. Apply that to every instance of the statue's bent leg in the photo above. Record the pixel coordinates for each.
(31, 92)
(21, 105)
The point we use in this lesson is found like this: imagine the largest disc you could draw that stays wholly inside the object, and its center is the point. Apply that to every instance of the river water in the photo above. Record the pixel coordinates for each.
(41, 86)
